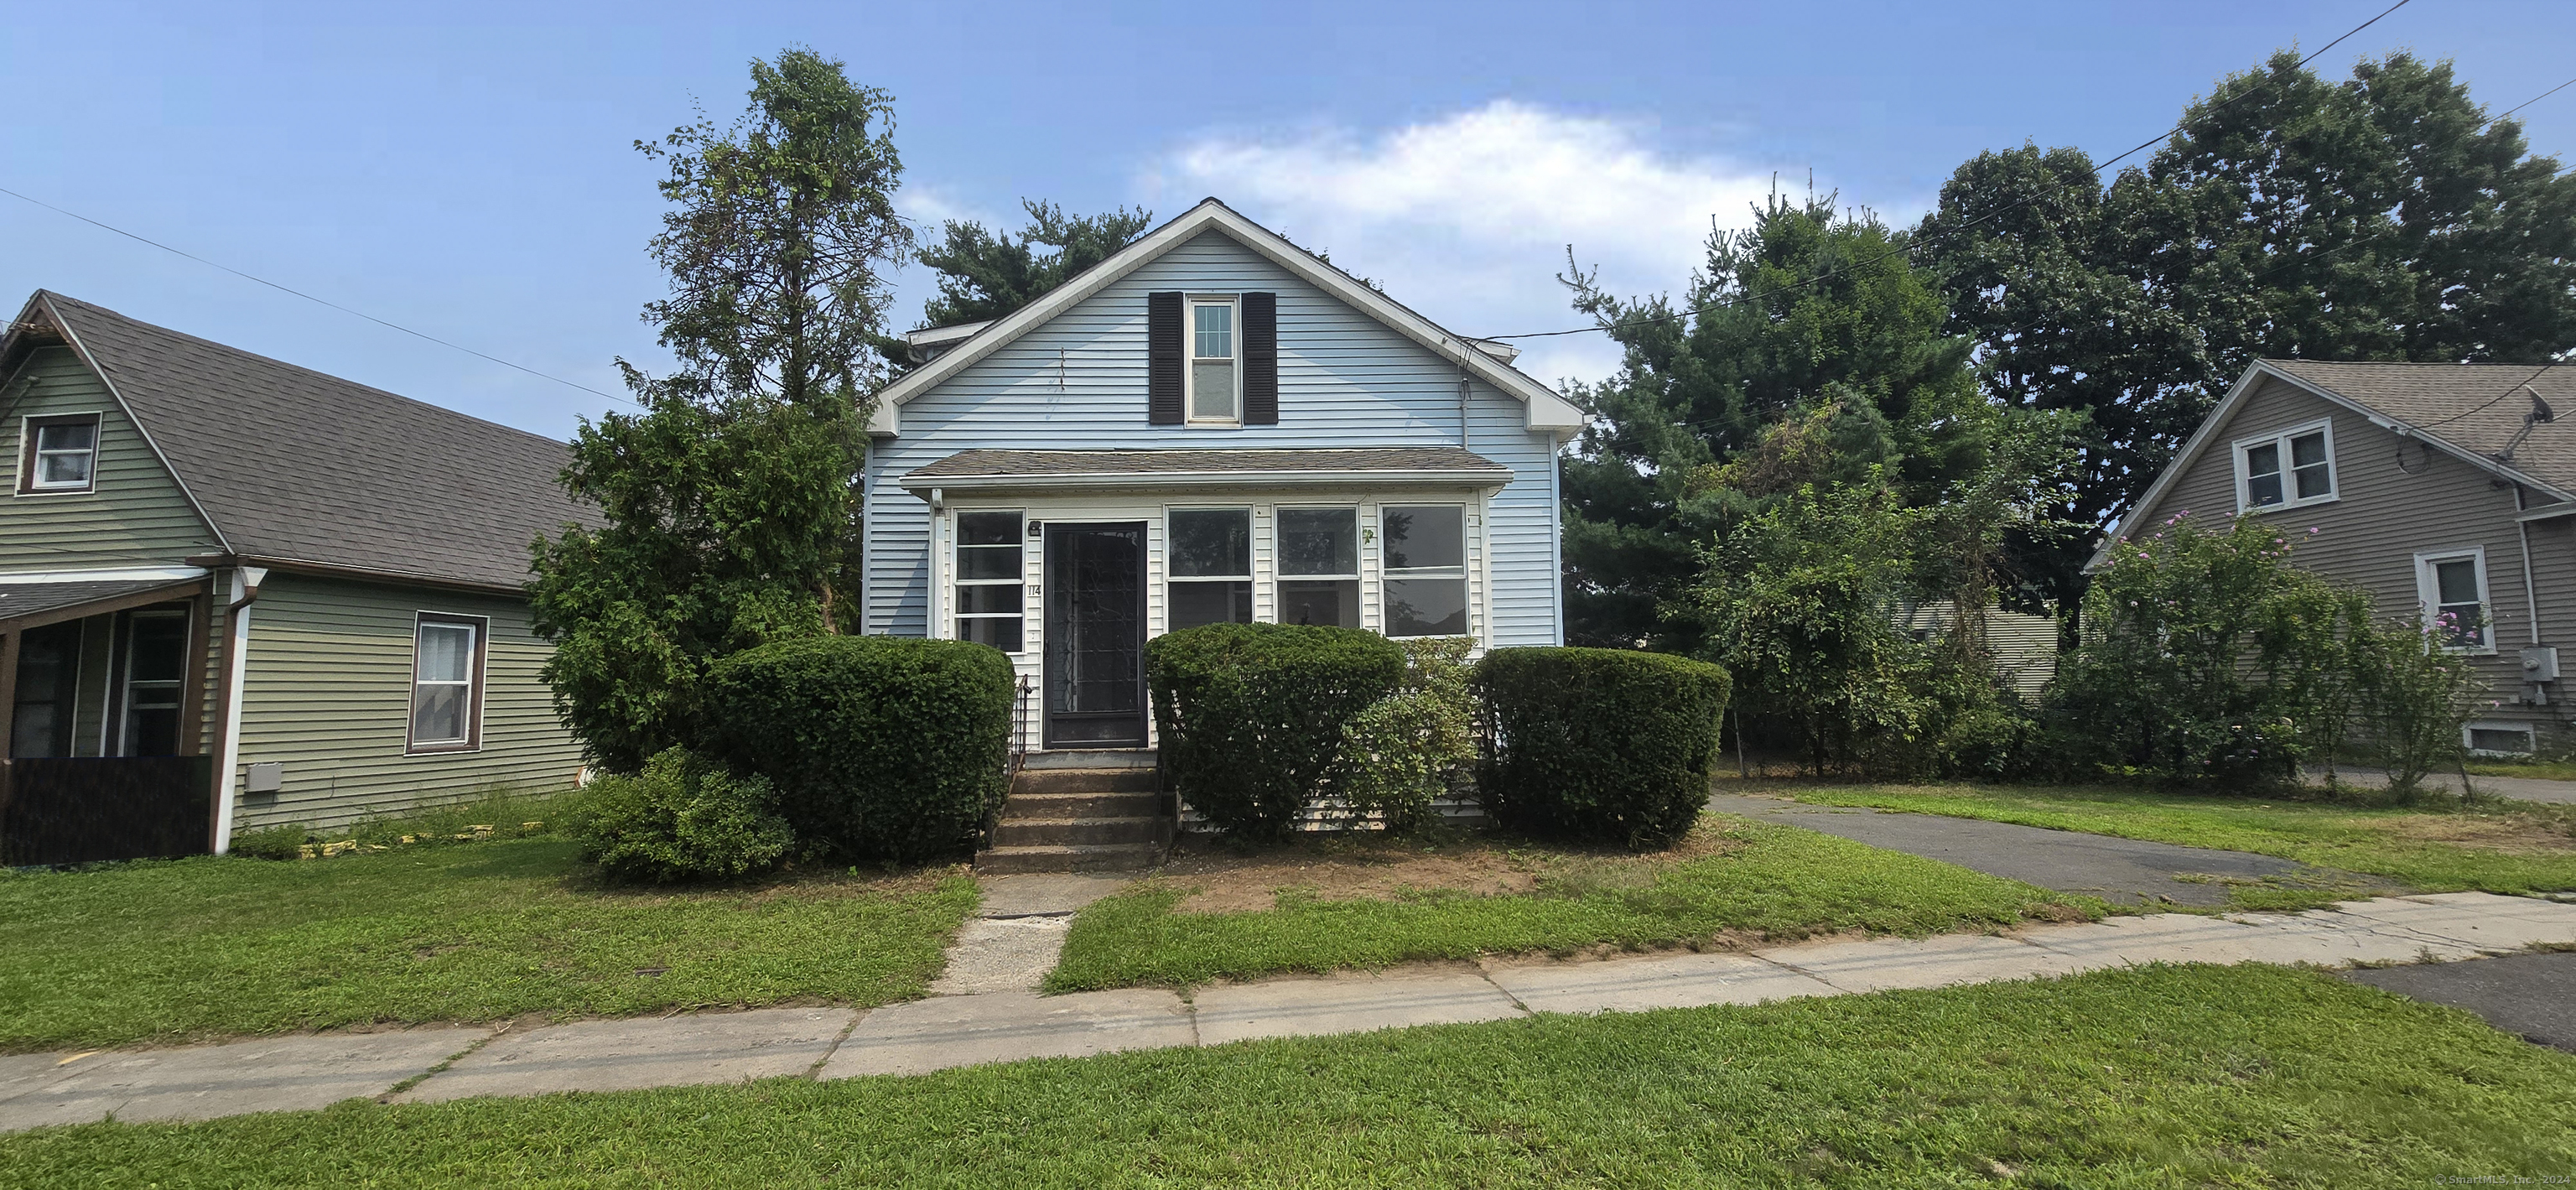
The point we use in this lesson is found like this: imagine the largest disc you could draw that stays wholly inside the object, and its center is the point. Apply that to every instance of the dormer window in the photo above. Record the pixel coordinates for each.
(61, 454)
(2287, 469)
(1215, 396)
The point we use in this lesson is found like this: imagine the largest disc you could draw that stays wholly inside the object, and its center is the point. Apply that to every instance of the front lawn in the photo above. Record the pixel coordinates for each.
(2154, 1077)
(183, 949)
(1751, 878)
(2434, 848)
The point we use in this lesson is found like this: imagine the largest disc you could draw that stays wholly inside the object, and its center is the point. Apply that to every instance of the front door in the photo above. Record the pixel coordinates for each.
(1095, 636)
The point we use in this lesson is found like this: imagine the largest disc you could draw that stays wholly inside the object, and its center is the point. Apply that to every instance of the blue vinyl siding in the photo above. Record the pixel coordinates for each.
(1345, 380)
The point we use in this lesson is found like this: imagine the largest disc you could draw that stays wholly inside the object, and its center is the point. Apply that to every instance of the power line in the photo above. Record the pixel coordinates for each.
(310, 298)
(1910, 245)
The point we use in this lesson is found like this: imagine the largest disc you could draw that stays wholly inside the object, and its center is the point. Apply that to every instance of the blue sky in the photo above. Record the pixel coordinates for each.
(465, 169)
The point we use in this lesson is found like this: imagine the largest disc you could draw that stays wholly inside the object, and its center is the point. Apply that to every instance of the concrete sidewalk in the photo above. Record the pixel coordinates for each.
(996, 1021)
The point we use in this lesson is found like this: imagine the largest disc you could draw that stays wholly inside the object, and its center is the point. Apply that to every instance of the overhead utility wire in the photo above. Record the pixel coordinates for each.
(1998, 212)
(310, 298)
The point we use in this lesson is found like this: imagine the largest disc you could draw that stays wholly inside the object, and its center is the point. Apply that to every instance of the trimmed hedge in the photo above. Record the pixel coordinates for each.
(1251, 715)
(881, 747)
(680, 819)
(1599, 744)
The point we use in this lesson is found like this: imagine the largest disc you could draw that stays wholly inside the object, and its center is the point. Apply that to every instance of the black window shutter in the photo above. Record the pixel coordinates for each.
(1261, 359)
(1163, 358)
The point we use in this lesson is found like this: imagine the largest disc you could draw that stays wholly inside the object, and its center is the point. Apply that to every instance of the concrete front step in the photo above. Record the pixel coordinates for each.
(1025, 832)
(1081, 805)
(1103, 758)
(1087, 781)
(1069, 857)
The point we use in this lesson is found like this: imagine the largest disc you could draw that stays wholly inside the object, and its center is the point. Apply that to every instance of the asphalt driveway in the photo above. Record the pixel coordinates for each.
(2530, 994)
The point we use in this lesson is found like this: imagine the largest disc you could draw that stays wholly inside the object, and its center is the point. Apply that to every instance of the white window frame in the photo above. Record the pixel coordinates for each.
(2428, 595)
(31, 458)
(2468, 730)
(1387, 572)
(1279, 575)
(477, 651)
(1190, 357)
(1251, 555)
(2280, 439)
(957, 575)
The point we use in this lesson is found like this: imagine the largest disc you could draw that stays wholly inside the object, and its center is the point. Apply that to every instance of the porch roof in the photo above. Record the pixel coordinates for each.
(33, 605)
(970, 469)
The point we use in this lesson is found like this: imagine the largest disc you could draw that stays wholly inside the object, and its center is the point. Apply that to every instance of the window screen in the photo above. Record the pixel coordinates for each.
(1425, 586)
(1319, 566)
(990, 592)
(1210, 579)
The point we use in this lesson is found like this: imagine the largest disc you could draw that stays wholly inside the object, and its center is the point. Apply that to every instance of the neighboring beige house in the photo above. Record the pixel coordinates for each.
(2442, 489)
(2024, 646)
(240, 590)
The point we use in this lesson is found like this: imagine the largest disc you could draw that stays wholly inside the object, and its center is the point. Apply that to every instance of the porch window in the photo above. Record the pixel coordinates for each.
(156, 669)
(990, 591)
(48, 681)
(1425, 586)
(1214, 394)
(1319, 566)
(447, 683)
(62, 454)
(2288, 469)
(2453, 588)
(1211, 568)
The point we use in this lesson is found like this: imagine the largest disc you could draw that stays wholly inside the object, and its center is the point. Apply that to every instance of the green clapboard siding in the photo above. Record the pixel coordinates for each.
(328, 694)
(136, 514)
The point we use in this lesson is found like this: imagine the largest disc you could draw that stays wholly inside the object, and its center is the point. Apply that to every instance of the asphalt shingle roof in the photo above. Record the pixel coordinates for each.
(294, 465)
(28, 599)
(2476, 407)
(1000, 463)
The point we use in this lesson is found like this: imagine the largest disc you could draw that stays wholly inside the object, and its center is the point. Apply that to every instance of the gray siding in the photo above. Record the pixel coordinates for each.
(135, 514)
(328, 693)
(2395, 500)
(1345, 380)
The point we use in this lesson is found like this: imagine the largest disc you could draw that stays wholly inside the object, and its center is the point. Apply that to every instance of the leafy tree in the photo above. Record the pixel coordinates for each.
(984, 275)
(2378, 219)
(728, 505)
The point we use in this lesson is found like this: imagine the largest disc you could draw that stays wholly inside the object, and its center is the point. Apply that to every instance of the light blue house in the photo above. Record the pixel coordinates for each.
(1213, 424)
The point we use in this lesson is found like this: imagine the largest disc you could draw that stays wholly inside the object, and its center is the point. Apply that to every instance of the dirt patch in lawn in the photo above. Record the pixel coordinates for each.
(1346, 868)
(2512, 834)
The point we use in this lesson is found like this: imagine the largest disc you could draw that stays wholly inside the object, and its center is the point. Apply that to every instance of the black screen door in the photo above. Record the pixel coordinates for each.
(1095, 636)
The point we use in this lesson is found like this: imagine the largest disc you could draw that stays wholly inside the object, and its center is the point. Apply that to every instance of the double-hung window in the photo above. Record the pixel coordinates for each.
(61, 454)
(156, 671)
(1319, 566)
(1425, 585)
(1215, 379)
(2287, 469)
(447, 683)
(989, 588)
(2453, 588)
(1211, 568)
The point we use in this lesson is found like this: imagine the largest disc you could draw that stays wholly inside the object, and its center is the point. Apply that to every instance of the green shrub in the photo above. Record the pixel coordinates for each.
(881, 747)
(1414, 746)
(2415, 697)
(680, 819)
(1251, 715)
(1599, 744)
(273, 842)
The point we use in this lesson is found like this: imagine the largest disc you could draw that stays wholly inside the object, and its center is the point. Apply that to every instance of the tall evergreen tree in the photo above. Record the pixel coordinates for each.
(985, 275)
(730, 500)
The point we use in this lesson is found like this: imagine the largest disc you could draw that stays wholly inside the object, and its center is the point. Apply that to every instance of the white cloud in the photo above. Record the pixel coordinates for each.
(1467, 218)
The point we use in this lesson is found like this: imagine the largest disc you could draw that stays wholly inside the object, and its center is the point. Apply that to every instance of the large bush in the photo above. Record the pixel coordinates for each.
(1415, 746)
(1251, 716)
(1599, 744)
(881, 747)
(680, 819)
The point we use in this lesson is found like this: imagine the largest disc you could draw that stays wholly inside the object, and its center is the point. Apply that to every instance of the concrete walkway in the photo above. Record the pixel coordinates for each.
(993, 1021)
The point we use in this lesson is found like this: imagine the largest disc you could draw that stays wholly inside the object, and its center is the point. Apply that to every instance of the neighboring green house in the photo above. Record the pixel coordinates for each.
(312, 584)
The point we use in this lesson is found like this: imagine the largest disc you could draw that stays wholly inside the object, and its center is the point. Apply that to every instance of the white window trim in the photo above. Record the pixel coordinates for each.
(1252, 555)
(2524, 729)
(2428, 594)
(957, 576)
(1359, 551)
(478, 665)
(27, 457)
(2289, 482)
(1190, 357)
(1387, 573)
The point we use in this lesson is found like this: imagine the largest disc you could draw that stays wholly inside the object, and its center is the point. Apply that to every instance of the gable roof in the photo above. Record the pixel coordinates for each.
(290, 466)
(1547, 410)
(2469, 411)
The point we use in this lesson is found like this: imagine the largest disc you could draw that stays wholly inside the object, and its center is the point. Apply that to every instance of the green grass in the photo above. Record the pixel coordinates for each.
(182, 949)
(2387, 842)
(1778, 880)
(2544, 770)
(2155, 1077)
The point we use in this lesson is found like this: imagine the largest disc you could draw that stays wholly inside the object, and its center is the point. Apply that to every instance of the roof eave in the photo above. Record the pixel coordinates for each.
(917, 483)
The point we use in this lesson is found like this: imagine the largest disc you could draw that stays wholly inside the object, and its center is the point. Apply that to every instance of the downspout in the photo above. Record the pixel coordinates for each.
(246, 580)
(2530, 593)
